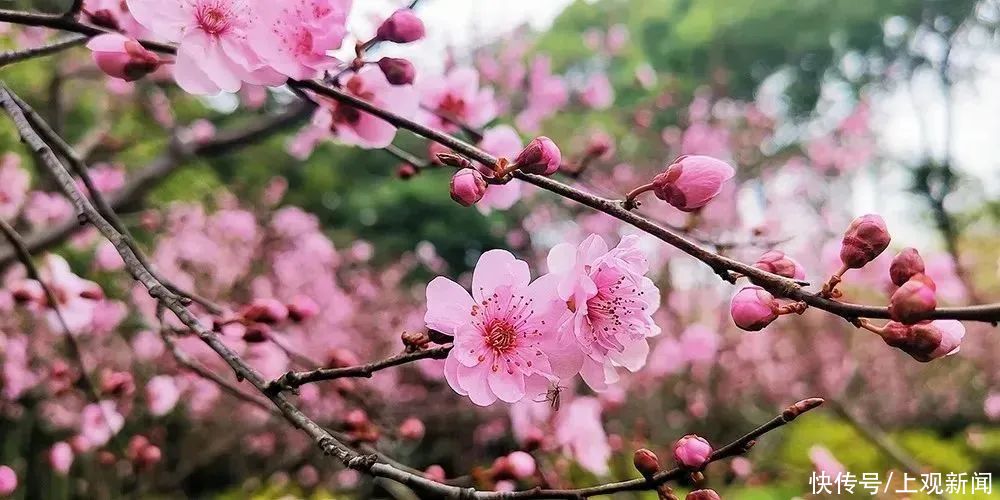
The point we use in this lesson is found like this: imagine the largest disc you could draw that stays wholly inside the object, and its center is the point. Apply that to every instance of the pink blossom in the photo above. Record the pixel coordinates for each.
(580, 433)
(61, 457)
(825, 462)
(690, 182)
(467, 186)
(147, 345)
(498, 330)
(107, 258)
(501, 141)
(100, 421)
(611, 304)
(8, 480)
(540, 157)
(403, 26)
(616, 38)
(214, 53)
(294, 36)
(112, 14)
(864, 240)
(14, 182)
(397, 71)
(107, 177)
(777, 262)
(698, 343)
(46, 209)
(122, 57)
(411, 429)
(546, 94)
(76, 296)
(927, 340)
(598, 94)
(162, 394)
(753, 308)
(302, 307)
(456, 95)
(914, 300)
(991, 406)
(357, 127)
(692, 451)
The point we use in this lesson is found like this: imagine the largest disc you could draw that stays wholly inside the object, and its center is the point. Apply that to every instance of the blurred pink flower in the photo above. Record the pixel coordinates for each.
(699, 343)
(14, 182)
(362, 129)
(46, 209)
(581, 434)
(598, 93)
(8, 480)
(100, 421)
(456, 95)
(61, 457)
(824, 461)
(162, 394)
(501, 141)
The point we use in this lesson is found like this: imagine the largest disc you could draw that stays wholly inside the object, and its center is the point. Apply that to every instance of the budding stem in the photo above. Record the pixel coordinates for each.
(504, 167)
(871, 327)
(630, 202)
(830, 287)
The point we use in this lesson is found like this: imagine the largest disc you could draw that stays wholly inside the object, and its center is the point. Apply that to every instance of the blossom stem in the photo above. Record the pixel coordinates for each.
(630, 203)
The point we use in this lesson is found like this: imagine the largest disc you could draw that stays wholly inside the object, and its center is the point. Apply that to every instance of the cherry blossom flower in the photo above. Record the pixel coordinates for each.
(580, 433)
(121, 57)
(362, 129)
(61, 457)
(295, 36)
(547, 94)
(100, 421)
(162, 393)
(8, 480)
(611, 303)
(501, 141)
(214, 53)
(498, 330)
(598, 93)
(456, 95)
(14, 182)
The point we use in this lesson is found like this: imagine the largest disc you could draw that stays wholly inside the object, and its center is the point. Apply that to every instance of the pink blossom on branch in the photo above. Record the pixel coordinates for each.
(610, 302)
(214, 52)
(690, 182)
(122, 57)
(456, 95)
(352, 126)
(295, 36)
(501, 141)
(498, 331)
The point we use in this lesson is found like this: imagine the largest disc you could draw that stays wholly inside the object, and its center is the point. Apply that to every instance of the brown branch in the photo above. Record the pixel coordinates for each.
(723, 266)
(64, 23)
(293, 380)
(15, 56)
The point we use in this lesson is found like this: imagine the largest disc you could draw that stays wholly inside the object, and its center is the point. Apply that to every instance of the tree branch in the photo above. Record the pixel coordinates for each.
(723, 266)
(293, 380)
(15, 56)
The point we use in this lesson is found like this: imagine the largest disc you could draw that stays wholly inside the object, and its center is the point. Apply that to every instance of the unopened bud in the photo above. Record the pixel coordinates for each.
(692, 452)
(691, 181)
(403, 26)
(468, 186)
(406, 171)
(904, 265)
(541, 157)
(646, 462)
(913, 301)
(753, 308)
(265, 311)
(703, 495)
(864, 240)
(776, 262)
(397, 71)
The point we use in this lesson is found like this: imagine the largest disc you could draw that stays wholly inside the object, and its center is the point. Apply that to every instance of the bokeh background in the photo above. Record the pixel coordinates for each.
(829, 109)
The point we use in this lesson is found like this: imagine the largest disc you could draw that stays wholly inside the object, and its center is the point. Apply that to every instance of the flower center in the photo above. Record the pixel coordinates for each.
(501, 337)
(212, 20)
(452, 106)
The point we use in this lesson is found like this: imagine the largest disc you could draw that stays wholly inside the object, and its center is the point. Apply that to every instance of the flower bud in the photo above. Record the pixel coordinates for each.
(435, 473)
(753, 308)
(61, 457)
(522, 465)
(913, 301)
(541, 157)
(8, 480)
(403, 26)
(776, 262)
(645, 462)
(865, 239)
(122, 57)
(412, 429)
(28, 291)
(692, 451)
(406, 171)
(904, 265)
(703, 495)
(117, 383)
(301, 308)
(927, 340)
(397, 71)
(268, 311)
(690, 182)
(467, 186)
(599, 145)
(256, 333)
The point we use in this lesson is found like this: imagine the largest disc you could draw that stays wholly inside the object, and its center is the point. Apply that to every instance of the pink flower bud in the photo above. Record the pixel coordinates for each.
(925, 341)
(865, 239)
(692, 451)
(522, 465)
(776, 262)
(646, 462)
(256, 333)
(600, 145)
(122, 57)
(753, 308)
(92, 291)
(690, 182)
(8, 480)
(265, 311)
(406, 171)
(61, 457)
(397, 71)
(411, 429)
(541, 157)
(117, 383)
(467, 186)
(435, 473)
(904, 265)
(913, 301)
(302, 308)
(703, 495)
(403, 26)
(28, 291)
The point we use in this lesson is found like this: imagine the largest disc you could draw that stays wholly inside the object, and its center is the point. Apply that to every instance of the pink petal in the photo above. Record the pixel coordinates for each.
(474, 380)
(509, 387)
(449, 306)
(497, 268)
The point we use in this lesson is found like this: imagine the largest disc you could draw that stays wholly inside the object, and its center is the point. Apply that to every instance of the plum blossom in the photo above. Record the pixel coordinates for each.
(580, 432)
(456, 95)
(61, 457)
(501, 141)
(214, 52)
(499, 330)
(611, 303)
(162, 393)
(294, 37)
(351, 126)
(598, 93)
(44, 209)
(14, 182)
(547, 94)
(100, 421)
(77, 298)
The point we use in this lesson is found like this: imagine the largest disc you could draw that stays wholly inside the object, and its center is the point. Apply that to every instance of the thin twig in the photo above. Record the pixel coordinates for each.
(292, 380)
(15, 56)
